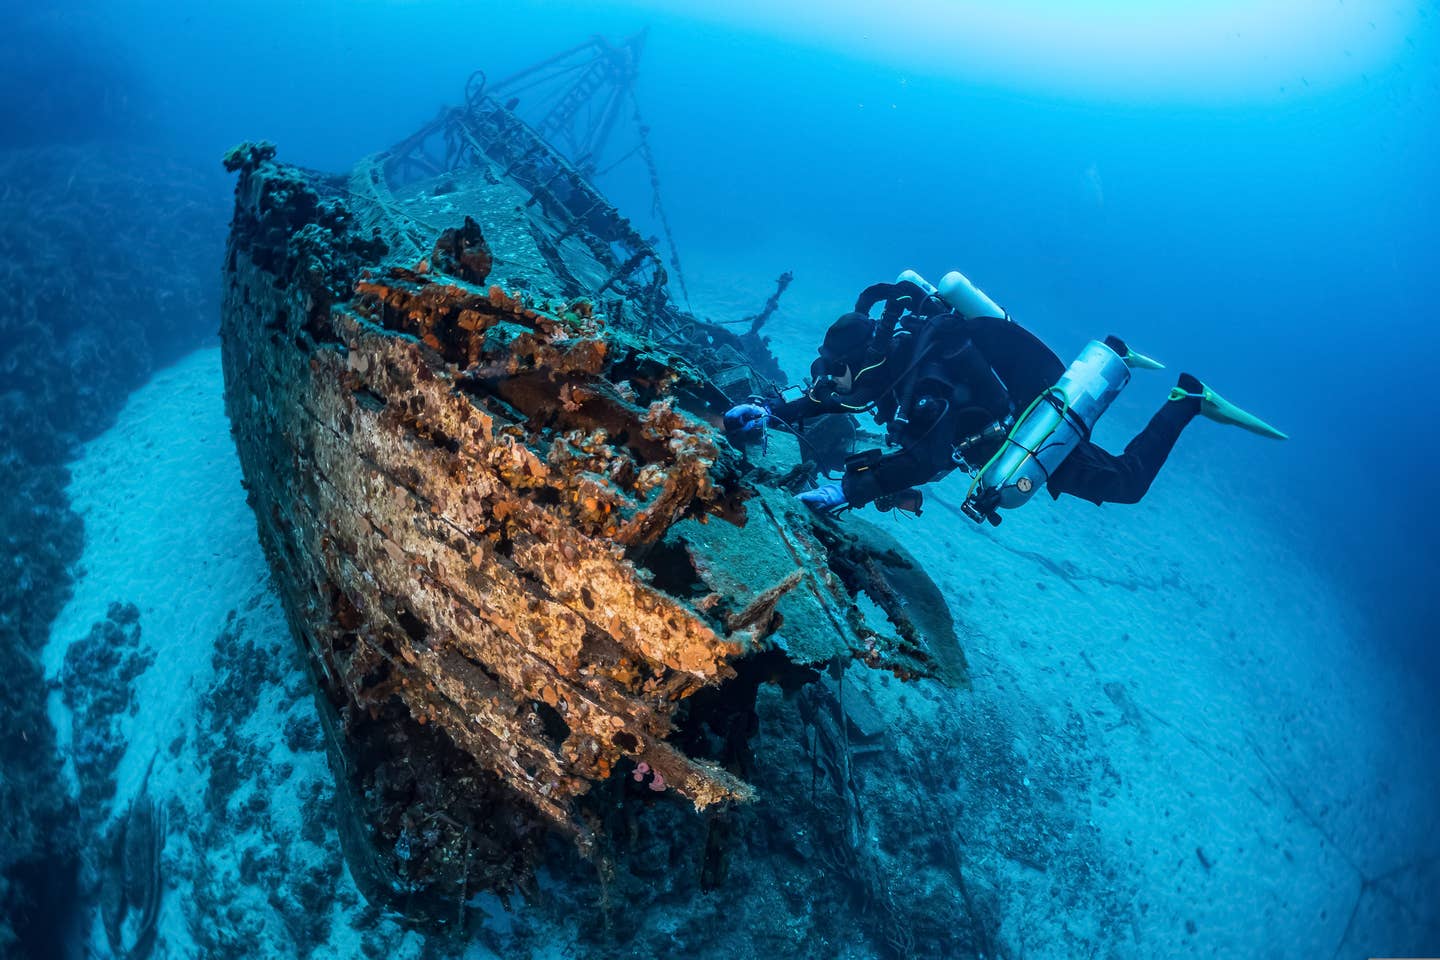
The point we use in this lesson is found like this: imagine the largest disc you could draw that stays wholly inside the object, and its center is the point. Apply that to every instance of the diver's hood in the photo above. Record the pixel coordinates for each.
(847, 336)
(843, 349)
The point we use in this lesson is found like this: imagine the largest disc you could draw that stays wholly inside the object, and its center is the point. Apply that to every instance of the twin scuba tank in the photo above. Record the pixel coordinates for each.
(1053, 424)
(1046, 433)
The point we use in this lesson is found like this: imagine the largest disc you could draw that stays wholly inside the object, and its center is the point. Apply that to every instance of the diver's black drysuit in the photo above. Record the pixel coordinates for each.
(944, 384)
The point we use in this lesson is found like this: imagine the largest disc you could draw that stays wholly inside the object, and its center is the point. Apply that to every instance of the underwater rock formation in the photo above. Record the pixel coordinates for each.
(519, 557)
(99, 293)
(97, 684)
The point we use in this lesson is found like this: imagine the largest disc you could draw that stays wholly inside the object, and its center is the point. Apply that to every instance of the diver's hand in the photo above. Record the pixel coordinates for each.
(827, 499)
(745, 423)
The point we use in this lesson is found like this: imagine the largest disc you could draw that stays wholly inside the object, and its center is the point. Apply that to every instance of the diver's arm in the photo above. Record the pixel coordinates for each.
(869, 385)
(817, 401)
(891, 473)
(926, 456)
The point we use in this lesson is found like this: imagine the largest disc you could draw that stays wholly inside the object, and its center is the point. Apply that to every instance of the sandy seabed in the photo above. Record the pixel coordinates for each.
(1265, 778)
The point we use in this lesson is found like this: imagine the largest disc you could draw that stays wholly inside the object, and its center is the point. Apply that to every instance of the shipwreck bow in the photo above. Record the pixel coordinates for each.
(502, 527)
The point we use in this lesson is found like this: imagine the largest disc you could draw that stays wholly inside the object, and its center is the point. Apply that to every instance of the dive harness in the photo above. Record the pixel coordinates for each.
(1051, 427)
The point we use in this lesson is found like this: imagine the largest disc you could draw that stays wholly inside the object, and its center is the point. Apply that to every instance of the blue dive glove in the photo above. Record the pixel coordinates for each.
(745, 423)
(826, 499)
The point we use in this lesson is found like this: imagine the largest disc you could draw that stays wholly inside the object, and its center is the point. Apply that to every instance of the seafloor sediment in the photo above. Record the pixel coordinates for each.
(1149, 763)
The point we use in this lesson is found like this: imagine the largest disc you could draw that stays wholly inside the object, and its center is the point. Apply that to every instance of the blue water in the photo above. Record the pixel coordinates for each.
(1249, 194)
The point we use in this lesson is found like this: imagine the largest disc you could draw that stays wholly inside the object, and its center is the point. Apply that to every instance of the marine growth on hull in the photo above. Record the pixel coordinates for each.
(528, 572)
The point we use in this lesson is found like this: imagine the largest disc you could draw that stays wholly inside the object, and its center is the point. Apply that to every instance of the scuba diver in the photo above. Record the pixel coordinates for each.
(958, 384)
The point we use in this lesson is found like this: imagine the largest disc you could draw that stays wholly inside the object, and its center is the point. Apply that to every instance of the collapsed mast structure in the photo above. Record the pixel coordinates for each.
(576, 101)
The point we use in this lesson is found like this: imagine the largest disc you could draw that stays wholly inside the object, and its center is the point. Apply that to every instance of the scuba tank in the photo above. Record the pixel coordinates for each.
(1047, 431)
(910, 276)
(968, 299)
(958, 292)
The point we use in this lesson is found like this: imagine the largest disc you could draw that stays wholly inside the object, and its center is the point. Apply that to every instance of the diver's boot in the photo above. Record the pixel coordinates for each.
(1217, 408)
(1133, 360)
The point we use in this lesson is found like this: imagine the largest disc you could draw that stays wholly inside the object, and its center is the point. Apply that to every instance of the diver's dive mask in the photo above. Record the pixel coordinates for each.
(834, 369)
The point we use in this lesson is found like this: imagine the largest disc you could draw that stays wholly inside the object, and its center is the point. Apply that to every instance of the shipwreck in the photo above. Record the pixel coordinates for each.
(525, 566)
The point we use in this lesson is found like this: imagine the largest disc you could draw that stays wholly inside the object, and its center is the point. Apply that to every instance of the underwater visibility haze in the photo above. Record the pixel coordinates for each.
(416, 556)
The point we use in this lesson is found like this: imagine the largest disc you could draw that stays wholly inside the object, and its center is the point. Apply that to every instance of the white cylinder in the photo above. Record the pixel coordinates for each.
(916, 279)
(957, 290)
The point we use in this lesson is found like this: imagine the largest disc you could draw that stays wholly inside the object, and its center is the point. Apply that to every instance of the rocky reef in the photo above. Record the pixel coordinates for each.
(96, 686)
(99, 293)
(528, 572)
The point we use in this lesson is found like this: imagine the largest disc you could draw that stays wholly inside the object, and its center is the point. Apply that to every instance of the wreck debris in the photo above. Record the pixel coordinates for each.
(463, 253)
(133, 883)
(513, 547)
(772, 303)
(739, 360)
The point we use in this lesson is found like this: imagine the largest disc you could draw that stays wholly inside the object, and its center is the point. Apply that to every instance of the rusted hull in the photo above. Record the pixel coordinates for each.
(512, 554)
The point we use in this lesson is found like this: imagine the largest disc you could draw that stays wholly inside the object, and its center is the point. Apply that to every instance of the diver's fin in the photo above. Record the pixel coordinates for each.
(1138, 361)
(1217, 408)
(1133, 360)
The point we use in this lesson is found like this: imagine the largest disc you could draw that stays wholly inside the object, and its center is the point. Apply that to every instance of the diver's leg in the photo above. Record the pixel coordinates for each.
(1094, 474)
(1100, 477)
